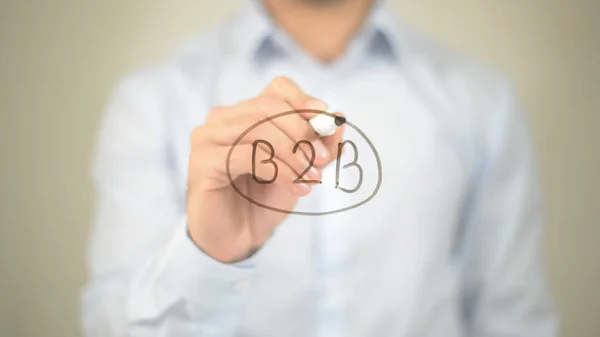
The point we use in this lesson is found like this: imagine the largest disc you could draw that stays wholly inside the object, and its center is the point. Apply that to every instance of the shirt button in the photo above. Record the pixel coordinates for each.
(241, 286)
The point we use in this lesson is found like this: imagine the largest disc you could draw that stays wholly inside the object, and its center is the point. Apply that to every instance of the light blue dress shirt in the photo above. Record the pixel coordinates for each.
(449, 246)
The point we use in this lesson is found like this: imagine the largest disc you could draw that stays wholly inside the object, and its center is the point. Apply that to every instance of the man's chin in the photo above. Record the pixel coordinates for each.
(322, 2)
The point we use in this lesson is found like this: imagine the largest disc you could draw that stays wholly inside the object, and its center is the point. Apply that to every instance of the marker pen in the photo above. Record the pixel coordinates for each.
(325, 125)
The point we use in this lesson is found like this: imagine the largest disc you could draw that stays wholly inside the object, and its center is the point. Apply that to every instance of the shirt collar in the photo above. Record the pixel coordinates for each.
(255, 30)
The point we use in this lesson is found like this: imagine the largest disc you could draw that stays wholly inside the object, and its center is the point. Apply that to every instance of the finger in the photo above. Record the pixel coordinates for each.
(296, 126)
(283, 88)
(268, 137)
(215, 167)
(234, 122)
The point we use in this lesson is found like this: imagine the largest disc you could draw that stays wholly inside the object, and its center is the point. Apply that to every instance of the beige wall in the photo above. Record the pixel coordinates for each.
(58, 60)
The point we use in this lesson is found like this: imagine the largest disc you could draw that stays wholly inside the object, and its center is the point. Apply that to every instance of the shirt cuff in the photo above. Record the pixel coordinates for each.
(210, 290)
(247, 263)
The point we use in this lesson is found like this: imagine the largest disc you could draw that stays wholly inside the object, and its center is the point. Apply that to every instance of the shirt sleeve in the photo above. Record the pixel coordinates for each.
(146, 276)
(505, 287)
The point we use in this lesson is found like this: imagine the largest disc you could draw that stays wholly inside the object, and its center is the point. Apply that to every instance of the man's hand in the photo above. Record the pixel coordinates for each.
(222, 223)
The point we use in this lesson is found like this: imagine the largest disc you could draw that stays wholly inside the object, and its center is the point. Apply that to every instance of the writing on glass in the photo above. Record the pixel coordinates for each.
(270, 161)
(346, 145)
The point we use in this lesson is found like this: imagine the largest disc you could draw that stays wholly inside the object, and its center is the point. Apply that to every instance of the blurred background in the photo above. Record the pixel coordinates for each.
(59, 59)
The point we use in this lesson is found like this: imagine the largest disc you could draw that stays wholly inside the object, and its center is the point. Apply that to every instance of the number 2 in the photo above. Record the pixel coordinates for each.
(310, 163)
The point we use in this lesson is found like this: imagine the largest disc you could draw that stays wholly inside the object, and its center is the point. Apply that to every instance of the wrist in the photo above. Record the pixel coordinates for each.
(223, 255)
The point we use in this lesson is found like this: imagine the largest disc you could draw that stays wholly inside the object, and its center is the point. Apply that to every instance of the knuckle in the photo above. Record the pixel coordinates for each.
(196, 168)
(281, 82)
(263, 101)
(215, 112)
(264, 105)
(197, 134)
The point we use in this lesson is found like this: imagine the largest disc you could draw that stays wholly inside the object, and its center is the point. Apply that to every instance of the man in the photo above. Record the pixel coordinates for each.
(449, 244)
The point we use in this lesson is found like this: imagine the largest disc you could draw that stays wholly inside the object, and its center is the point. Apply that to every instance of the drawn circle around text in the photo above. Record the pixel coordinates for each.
(379, 171)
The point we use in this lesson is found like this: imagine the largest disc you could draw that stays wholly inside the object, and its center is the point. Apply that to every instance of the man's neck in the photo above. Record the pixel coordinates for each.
(324, 28)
